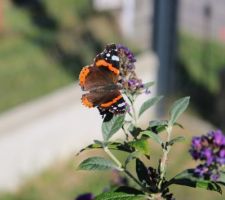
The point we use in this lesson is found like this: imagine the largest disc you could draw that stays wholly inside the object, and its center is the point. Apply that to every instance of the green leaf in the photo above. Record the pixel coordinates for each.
(109, 128)
(222, 178)
(158, 126)
(131, 157)
(111, 145)
(152, 135)
(97, 163)
(149, 103)
(91, 146)
(154, 123)
(99, 143)
(128, 190)
(141, 145)
(179, 125)
(142, 172)
(187, 178)
(148, 84)
(177, 109)
(175, 140)
(119, 196)
(134, 131)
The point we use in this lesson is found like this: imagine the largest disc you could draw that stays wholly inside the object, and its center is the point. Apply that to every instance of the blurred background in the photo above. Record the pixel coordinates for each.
(43, 46)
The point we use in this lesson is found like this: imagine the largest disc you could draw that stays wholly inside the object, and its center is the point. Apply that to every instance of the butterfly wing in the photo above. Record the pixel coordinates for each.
(107, 102)
(109, 58)
(92, 77)
(116, 106)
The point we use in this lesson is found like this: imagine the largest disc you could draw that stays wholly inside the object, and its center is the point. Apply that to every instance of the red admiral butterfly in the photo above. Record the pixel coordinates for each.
(101, 80)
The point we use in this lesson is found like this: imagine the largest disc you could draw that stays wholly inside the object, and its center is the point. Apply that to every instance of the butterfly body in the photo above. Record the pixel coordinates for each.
(107, 88)
(100, 81)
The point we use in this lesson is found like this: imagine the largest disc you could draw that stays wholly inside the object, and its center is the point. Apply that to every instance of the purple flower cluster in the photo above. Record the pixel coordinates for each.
(127, 53)
(210, 149)
(135, 84)
(129, 79)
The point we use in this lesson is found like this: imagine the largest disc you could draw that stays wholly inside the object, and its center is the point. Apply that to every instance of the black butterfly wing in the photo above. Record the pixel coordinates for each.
(107, 102)
(117, 107)
(109, 58)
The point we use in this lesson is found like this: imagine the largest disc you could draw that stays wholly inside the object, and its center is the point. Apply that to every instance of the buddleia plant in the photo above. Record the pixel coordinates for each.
(151, 182)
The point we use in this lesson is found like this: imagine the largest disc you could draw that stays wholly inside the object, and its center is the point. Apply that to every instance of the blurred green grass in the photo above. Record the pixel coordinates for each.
(26, 72)
(35, 61)
(202, 59)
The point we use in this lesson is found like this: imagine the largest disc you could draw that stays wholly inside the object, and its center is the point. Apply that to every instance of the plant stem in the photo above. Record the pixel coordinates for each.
(166, 151)
(109, 153)
(121, 168)
(132, 177)
(134, 114)
(126, 134)
(156, 196)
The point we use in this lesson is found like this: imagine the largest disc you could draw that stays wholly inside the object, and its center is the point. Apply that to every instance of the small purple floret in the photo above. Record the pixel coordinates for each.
(219, 138)
(201, 170)
(207, 155)
(127, 52)
(221, 161)
(196, 142)
(215, 177)
(222, 153)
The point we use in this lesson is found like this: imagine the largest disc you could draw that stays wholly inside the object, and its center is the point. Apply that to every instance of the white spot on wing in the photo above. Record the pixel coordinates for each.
(115, 58)
(121, 105)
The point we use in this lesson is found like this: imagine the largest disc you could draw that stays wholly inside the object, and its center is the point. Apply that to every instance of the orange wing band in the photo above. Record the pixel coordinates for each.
(103, 63)
(86, 102)
(105, 105)
(83, 74)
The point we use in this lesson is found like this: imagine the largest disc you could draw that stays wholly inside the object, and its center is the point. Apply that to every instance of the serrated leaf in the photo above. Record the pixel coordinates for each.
(187, 178)
(118, 196)
(149, 103)
(96, 163)
(153, 136)
(109, 128)
(142, 172)
(175, 140)
(177, 109)
(141, 145)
